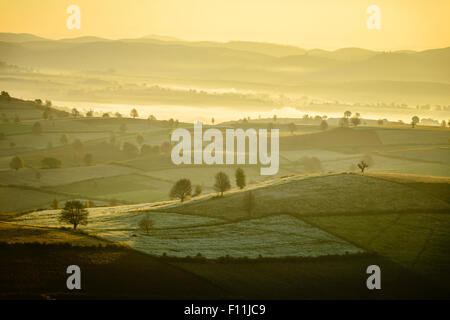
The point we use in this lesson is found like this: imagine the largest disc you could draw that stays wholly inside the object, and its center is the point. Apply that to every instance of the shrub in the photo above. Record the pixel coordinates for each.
(51, 163)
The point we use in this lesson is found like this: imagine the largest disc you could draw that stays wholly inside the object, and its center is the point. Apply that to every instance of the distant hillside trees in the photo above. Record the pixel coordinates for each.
(75, 113)
(323, 125)
(146, 224)
(16, 163)
(166, 147)
(88, 159)
(74, 213)
(37, 128)
(113, 202)
(414, 121)
(51, 163)
(362, 165)
(133, 113)
(105, 115)
(5, 96)
(343, 122)
(249, 202)
(63, 139)
(347, 114)
(240, 178)
(181, 189)
(292, 127)
(5, 118)
(130, 149)
(77, 145)
(139, 139)
(55, 204)
(147, 150)
(197, 191)
(222, 183)
(90, 113)
(355, 120)
(112, 139)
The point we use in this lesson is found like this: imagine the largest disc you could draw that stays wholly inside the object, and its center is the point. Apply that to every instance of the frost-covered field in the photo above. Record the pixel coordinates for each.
(122, 218)
(180, 235)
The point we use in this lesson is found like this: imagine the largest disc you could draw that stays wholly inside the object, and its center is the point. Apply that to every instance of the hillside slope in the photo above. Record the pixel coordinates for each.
(323, 195)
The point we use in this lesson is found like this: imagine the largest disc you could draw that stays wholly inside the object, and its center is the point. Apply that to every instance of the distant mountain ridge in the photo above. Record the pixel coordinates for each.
(230, 61)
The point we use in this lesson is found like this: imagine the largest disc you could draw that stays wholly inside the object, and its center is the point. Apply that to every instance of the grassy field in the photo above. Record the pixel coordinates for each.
(38, 272)
(419, 242)
(334, 194)
(311, 234)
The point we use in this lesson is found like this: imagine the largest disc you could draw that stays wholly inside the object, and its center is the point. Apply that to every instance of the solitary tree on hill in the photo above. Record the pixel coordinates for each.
(292, 127)
(222, 183)
(415, 120)
(139, 139)
(88, 158)
(74, 213)
(362, 165)
(37, 128)
(240, 178)
(146, 224)
(134, 114)
(324, 125)
(16, 163)
(181, 189)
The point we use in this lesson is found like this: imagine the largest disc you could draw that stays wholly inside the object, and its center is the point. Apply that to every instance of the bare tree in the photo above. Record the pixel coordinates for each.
(362, 165)
(146, 224)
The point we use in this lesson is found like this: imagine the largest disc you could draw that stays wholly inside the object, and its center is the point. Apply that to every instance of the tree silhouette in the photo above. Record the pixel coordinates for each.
(240, 178)
(74, 213)
(415, 120)
(133, 113)
(362, 165)
(37, 128)
(139, 139)
(16, 163)
(181, 189)
(324, 125)
(222, 183)
(292, 127)
(51, 163)
(88, 158)
(146, 224)
(63, 139)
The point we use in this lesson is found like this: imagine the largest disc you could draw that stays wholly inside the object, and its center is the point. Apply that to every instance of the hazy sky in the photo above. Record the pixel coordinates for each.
(328, 24)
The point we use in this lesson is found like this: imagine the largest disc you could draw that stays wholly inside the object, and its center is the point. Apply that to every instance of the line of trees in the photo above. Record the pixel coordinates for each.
(183, 187)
